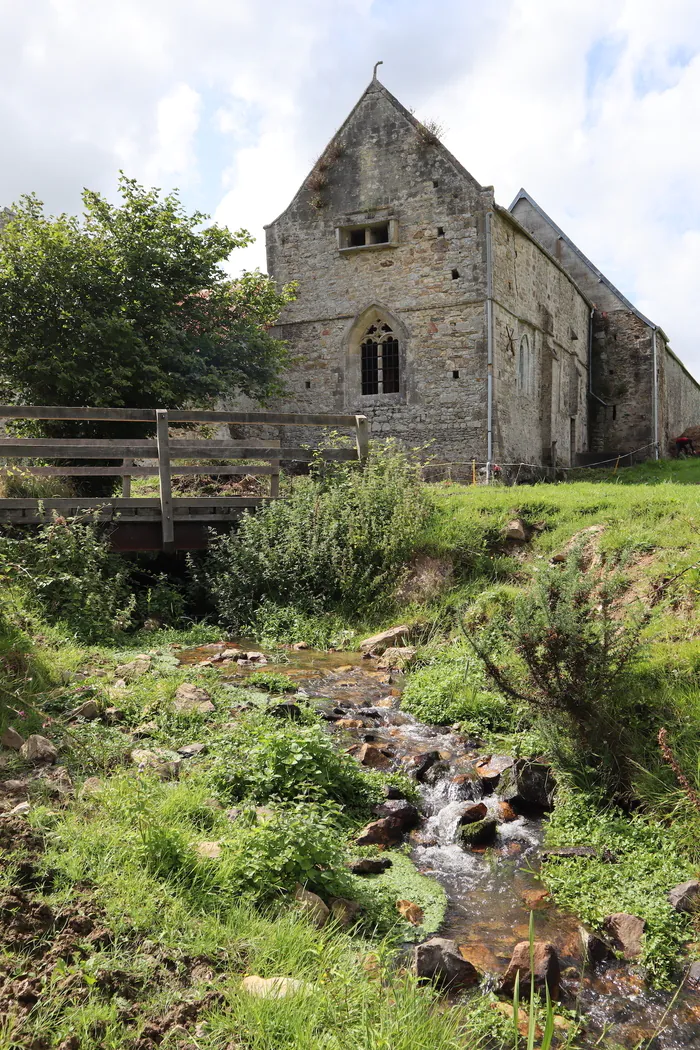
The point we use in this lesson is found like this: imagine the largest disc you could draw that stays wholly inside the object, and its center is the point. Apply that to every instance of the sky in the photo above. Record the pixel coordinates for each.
(592, 105)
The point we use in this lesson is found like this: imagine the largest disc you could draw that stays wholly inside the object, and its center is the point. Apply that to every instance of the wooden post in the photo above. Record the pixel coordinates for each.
(166, 494)
(362, 437)
(126, 479)
(275, 477)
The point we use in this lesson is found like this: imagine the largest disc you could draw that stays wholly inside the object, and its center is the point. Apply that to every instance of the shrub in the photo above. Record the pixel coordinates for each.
(575, 654)
(337, 542)
(74, 578)
(263, 758)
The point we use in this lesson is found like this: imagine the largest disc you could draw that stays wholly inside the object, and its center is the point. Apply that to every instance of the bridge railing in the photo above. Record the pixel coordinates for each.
(164, 450)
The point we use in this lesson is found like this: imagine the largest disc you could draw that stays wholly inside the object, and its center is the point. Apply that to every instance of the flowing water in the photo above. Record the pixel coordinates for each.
(491, 891)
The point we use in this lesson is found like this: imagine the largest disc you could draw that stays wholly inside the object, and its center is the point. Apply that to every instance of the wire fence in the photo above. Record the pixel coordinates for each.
(479, 472)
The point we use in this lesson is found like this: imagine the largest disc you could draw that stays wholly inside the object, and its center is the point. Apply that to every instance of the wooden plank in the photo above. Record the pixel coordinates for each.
(362, 437)
(148, 415)
(63, 503)
(166, 487)
(140, 471)
(41, 448)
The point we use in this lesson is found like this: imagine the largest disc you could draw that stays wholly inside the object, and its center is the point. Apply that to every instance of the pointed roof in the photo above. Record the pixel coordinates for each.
(376, 87)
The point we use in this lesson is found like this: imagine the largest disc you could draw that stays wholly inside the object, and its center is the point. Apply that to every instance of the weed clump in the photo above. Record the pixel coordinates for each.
(335, 545)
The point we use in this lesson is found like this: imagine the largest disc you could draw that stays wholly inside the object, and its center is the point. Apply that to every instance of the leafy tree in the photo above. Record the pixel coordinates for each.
(128, 305)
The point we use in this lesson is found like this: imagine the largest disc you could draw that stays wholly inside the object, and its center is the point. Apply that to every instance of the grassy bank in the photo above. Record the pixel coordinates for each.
(170, 927)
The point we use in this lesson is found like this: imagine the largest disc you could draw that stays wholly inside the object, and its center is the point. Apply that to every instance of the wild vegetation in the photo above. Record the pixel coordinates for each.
(579, 643)
(129, 304)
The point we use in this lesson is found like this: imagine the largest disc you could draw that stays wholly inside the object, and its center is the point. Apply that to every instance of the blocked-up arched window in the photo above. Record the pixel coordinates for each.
(523, 365)
(379, 357)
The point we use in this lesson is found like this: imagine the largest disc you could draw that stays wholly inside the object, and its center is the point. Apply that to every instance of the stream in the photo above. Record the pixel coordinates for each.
(491, 890)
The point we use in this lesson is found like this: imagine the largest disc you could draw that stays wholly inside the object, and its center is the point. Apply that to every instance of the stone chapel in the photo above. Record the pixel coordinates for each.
(453, 322)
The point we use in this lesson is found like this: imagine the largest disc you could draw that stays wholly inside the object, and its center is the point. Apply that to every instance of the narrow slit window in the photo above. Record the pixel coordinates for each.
(308, 384)
(380, 360)
(455, 373)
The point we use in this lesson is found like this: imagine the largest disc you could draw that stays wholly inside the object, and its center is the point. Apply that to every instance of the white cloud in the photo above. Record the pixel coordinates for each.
(593, 105)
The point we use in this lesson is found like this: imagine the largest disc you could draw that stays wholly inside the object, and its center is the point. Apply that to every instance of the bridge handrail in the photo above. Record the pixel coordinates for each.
(164, 448)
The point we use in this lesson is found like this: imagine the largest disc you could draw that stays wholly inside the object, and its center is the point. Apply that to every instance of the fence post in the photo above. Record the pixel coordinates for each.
(275, 478)
(362, 437)
(126, 479)
(166, 494)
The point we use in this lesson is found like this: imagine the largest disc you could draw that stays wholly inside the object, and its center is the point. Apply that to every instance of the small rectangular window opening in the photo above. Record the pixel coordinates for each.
(436, 183)
(455, 275)
(308, 384)
(455, 373)
(379, 234)
(441, 231)
(614, 411)
(356, 238)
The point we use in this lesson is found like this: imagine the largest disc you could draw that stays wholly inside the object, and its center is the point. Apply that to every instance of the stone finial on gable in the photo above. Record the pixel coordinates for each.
(376, 67)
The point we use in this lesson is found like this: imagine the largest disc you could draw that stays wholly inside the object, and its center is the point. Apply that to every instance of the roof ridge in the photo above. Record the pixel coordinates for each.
(523, 194)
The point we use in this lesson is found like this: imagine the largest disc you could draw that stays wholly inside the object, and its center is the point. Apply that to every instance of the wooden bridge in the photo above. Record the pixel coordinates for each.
(164, 522)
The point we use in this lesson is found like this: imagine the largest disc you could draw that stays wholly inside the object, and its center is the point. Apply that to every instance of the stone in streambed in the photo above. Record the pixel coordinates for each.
(490, 769)
(393, 636)
(692, 980)
(472, 814)
(506, 813)
(626, 932)
(439, 960)
(396, 658)
(369, 865)
(686, 896)
(386, 831)
(418, 765)
(595, 947)
(546, 969)
(401, 808)
(529, 783)
(481, 833)
(374, 757)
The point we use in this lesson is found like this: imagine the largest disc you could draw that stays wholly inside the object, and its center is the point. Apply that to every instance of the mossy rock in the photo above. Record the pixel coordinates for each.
(481, 833)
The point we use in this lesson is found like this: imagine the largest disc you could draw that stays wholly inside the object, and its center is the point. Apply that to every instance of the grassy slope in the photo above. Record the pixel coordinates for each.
(121, 839)
(651, 516)
(185, 929)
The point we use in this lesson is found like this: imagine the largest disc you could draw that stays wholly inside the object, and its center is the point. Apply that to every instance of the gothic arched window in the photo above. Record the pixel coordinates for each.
(379, 356)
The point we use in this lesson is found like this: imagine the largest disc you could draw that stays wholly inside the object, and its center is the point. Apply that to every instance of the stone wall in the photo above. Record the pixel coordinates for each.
(679, 397)
(623, 374)
(540, 336)
(430, 285)
(622, 355)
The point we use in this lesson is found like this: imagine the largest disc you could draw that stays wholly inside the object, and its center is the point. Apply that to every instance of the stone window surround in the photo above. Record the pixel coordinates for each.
(342, 231)
(352, 340)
